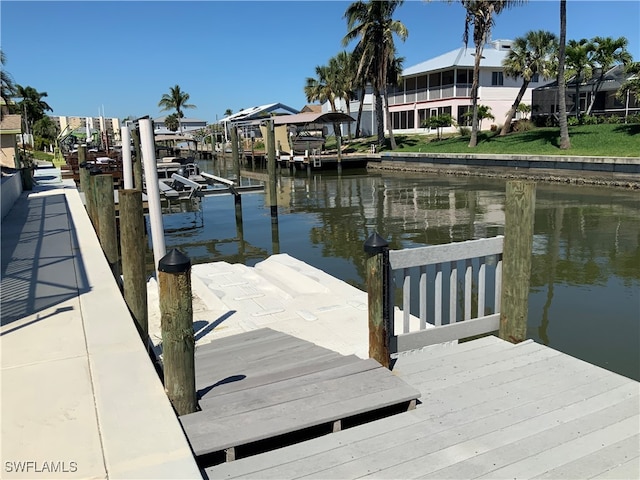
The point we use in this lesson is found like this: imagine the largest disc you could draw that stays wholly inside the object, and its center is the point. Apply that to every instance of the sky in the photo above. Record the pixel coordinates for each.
(119, 57)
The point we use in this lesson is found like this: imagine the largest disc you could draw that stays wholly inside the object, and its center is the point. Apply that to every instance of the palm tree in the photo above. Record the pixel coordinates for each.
(607, 53)
(172, 122)
(480, 17)
(631, 86)
(529, 55)
(565, 142)
(344, 64)
(228, 112)
(7, 89)
(176, 100)
(31, 105)
(372, 24)
(579, 60)
(324, 87)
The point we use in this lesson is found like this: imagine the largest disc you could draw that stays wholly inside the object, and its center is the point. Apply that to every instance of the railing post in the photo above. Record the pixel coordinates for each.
(377, 272)
(176, 320)
(516, 259)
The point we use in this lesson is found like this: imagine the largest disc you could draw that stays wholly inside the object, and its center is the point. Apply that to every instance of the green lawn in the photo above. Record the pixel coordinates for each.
(586, 140)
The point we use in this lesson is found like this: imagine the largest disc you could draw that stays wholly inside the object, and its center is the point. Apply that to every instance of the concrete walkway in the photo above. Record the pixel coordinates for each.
(80, 397)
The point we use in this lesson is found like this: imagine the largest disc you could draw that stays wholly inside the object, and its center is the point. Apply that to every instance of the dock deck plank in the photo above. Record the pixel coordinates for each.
(505, 411)
(265, 384)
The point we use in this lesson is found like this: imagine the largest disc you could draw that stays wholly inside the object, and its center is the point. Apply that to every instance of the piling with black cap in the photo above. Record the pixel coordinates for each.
(271, 171)
(82, 163)
(137, 160)
(377, 268)
(178, 342)
(90, 196)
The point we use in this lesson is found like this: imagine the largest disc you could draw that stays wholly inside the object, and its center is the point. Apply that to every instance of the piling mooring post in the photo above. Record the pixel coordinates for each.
(137, 162)
(516, 259)
(178, 342)
(237, 199)
(106, 211)
(82, 163)
(90, 198)
(132, 246)
(377, 268)
(271, 170)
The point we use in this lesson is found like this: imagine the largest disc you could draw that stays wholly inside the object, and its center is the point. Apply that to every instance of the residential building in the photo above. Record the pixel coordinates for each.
(9, 131)
(248, 120)
(88, 126)
(443, 85)
(188, 125)
(605, 102)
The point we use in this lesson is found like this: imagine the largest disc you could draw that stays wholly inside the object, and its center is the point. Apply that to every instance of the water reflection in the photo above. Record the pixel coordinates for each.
(584, 297)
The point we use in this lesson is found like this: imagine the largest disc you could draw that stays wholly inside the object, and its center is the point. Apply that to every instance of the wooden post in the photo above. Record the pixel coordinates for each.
(377, 267)
(82, 163)
(178, 342)
(137, 163)
(84, 180)
(271, 170)
(90, 198)
(133, 246)
(106, 212)
(516, 260)
(236, 166)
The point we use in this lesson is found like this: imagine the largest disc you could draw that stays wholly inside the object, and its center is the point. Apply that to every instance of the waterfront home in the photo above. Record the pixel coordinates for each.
(545, 97)
(187, 124)
(9, 129)
(442, 85)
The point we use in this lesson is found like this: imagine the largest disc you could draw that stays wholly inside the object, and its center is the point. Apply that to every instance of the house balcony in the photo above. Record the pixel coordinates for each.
(432, 93)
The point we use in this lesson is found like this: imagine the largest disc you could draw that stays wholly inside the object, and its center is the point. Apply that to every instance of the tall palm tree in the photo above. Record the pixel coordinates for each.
(344, 64)
(7, 89)
(480, 17)
(324, 87)
(607, 53)
(631, 86)
(565, 141)
(176, 100)
(372, 24)
(530, 55)
(31, 105)
(579, 63)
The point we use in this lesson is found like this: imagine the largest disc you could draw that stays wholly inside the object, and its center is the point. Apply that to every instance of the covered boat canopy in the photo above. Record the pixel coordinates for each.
(312, 117)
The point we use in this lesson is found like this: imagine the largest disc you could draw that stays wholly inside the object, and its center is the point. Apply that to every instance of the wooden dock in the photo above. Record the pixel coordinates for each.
(489, 409)
(263, 388)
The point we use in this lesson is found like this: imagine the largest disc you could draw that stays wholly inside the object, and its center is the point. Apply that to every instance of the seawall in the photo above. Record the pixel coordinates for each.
(610, 171)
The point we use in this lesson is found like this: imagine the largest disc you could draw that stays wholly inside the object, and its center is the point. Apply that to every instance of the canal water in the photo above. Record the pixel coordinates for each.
(585, 282)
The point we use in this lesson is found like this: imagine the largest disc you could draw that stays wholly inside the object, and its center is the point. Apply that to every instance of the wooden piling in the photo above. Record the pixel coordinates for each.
(178, 342)
(106, 212)
(377, 267)
(516, 263)
(237, 199)
(82, 163)
(133, 246)
(271, 170)
(90, 198)
(137, 161)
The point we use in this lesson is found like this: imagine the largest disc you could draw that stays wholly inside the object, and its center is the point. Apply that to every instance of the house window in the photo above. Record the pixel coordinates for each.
(535, 78)
(462, 119)
(497, 78)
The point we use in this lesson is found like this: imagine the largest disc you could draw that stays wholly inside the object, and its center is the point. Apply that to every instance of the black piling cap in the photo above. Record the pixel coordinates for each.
(83, 164)
(375, 244)
(174, 262)
(95, 171)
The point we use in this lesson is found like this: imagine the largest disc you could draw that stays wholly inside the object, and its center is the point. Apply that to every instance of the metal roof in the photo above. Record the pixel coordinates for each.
(492, 56)
(313, 117)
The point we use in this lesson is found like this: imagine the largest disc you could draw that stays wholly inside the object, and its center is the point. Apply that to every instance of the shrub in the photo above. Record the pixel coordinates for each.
(494, 127)
(612, 119)
(523, 125)
(572, 121)
(464, 131)
(633, 118)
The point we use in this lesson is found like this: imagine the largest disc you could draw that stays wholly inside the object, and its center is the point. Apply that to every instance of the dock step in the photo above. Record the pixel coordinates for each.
(262, 389)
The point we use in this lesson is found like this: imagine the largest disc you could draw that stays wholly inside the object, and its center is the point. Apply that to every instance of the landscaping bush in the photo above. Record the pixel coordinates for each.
(633, 118)
(464, 131)
(523, 125)
(494, 127)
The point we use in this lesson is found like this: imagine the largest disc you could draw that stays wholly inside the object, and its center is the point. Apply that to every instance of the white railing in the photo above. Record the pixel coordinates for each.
(474, 254)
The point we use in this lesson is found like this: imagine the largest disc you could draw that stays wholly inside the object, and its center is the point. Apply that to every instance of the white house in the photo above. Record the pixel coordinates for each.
(188, 125)
(443, 85)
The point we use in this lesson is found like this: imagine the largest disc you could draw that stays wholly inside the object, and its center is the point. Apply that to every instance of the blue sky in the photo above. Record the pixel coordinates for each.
(121, 56)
